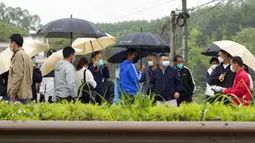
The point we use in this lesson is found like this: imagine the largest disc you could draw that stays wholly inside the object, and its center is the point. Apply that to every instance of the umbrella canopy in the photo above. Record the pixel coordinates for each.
(234, 49)
(120, 54)
(31, 47)
(212, 50)
(49, 63)
(143, 41)
(70, 28)
(89, 45)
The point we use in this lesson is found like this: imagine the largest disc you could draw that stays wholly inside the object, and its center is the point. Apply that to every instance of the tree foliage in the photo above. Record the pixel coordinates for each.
(19, 17)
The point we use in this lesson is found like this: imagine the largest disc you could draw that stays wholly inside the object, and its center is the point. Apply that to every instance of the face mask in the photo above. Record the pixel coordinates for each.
(73, 59)
(165, 63)
(11, 49)
(213, 66)
(150, 63)
(179, 66)
(221, 59)
(232, 69)
(135, 60)
(100, 63)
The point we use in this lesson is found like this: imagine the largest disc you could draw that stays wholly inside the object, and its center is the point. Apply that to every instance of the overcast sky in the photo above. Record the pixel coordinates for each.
(100, 10)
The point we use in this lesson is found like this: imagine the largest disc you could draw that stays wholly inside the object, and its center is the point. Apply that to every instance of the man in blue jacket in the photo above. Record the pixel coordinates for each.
(129, 77)
(167, 82)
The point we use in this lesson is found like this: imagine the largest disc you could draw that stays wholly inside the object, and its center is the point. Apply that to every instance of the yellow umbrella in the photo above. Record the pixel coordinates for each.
(31, 47)
(89, 45)
(5, 60)
(235, 49)
(49, 63)
(34, 47)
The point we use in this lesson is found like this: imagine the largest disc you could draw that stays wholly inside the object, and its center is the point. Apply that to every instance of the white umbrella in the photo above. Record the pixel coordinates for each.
(31, 47)
(49, 63)
(235, 49)
(89, 45)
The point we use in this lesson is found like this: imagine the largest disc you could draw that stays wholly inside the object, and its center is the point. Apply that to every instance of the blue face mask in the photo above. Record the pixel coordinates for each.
(100, 63)
(165, 63)
(179, 66)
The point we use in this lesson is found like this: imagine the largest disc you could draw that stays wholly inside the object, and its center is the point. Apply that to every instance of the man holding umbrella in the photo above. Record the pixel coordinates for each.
(222, 75)
(129, 77)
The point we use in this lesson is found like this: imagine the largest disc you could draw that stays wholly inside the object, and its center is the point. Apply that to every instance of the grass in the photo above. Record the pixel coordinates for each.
(141, 110)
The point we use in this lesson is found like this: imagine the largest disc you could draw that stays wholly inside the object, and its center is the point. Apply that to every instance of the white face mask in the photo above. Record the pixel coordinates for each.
(232, 69)
(150, 63)
(73, 59)
(213, 66)
(221, 60)
(11, 49)
(165, 63)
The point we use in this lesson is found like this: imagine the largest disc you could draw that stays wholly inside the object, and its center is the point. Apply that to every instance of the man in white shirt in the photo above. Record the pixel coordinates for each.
(214, 62)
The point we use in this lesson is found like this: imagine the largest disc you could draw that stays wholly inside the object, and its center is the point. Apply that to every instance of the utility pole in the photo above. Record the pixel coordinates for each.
(185, 34)
(172, 34)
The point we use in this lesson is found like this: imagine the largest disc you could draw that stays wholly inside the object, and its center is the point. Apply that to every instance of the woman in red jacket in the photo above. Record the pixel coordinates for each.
(240, 91)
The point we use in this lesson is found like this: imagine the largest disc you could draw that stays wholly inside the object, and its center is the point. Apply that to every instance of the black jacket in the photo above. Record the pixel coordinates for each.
(229, 77)
(37, 78)
(3, 83)
(188, 84)
(166, 84)
(146, 80)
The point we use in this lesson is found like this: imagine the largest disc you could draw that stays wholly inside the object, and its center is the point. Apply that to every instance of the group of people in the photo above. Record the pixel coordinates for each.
(230, 76)
(170, 81)
(63, 83)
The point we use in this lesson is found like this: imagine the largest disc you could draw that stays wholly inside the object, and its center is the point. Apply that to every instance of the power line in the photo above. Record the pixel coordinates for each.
(142, 9)
(145, 5)
(203, 4)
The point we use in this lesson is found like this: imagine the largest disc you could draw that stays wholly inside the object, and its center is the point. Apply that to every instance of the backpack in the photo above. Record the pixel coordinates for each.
(86, 93)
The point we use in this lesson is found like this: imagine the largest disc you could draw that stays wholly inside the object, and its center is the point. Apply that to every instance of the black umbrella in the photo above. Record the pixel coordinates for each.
(120, 54)
(143, 41)
(212, 50)
(71, 28)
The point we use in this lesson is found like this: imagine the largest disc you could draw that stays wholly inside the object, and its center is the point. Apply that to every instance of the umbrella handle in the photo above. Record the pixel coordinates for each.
(92, 46)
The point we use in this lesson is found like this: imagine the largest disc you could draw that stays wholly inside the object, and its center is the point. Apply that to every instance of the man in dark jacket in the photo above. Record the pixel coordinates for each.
(222, 75)
(3, 86)
(187, 81)
(100, 72)
(147, 75)
(37, 78)
(166, 82)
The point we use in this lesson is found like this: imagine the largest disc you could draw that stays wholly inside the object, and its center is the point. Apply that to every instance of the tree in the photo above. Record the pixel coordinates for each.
(19, 17)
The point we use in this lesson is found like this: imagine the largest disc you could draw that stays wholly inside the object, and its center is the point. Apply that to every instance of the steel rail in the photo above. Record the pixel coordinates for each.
(126, 132)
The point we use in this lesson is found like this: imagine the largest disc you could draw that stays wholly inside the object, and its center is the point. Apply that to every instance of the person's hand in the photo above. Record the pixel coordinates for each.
(223, 90)
(142, 68)
(95, 63)
(105, 63)
(176, 95)
(222, 77)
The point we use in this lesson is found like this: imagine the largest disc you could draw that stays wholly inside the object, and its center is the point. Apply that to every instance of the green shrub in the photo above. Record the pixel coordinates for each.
(134, 112)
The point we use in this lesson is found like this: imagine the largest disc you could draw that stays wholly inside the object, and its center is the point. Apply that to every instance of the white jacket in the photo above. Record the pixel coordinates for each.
(209, 91)
(89, 78)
